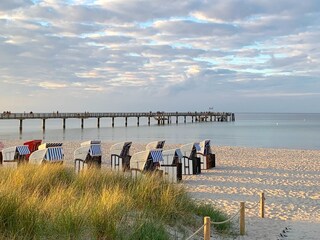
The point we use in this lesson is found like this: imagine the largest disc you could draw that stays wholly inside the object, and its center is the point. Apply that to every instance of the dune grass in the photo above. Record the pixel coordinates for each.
(52, 202)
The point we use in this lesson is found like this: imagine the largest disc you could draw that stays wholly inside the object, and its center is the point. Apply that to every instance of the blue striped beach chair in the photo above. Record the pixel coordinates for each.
(120, 156)
(191, 163)
(14, 156)
(146, 161)
(47, 153)
(171, 165)
(207, 157)
(88, 155)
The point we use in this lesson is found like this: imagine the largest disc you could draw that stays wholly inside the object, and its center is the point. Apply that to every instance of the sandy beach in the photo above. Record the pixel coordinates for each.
(290, 180)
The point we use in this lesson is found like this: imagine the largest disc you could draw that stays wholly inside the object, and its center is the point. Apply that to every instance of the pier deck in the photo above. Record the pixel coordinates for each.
(160, 117)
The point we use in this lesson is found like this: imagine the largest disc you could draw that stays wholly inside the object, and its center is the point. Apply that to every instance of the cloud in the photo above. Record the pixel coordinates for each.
(158, 51)
(51, 85)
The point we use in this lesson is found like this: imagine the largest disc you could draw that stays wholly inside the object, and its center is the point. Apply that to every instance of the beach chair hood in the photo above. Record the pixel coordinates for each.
(155, 145)
(205, 147)
(187, 149)
(49, 145)
(121, 149)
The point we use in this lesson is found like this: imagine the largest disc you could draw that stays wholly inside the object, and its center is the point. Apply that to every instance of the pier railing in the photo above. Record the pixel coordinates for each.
(160, 117)
(31, 115)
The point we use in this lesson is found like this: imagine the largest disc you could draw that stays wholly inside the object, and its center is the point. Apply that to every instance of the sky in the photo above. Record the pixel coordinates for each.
(160, 55)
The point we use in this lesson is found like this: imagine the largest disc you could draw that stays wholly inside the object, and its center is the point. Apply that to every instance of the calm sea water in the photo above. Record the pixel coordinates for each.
(295, 131)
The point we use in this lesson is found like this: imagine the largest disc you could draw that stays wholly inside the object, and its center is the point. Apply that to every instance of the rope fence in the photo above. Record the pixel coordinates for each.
(207, 223)
(195, 233)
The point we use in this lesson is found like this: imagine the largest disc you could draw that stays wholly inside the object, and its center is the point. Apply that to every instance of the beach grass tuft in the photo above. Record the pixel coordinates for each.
(52, 202)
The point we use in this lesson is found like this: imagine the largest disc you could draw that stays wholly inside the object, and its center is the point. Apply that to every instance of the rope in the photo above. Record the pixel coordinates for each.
(217, 223)
(195, 232)
(254, 206)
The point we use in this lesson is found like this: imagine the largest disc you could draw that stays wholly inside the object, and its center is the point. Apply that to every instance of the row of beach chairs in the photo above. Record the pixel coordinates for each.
(189, 159)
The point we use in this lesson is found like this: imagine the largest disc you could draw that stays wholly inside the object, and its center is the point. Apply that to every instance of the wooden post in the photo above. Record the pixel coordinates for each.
(98, 122)
(148, 121)
(138, 121)
(242, 218)
(82, 120)
(262, 205)
(112, 121)
(185, 119)
(64, 123)
(206, 229)
(177, 119)
(126, 121)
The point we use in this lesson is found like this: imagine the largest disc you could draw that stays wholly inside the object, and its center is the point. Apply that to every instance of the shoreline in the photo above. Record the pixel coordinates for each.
(289, 178)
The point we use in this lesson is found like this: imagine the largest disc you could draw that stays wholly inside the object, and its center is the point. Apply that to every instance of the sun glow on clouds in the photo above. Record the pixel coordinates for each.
(52, 85)
(193, 70)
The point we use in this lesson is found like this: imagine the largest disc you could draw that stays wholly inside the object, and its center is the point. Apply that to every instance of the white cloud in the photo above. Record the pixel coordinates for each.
(158, 49)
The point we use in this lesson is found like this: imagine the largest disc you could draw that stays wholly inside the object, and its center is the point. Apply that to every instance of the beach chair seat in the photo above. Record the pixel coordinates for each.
(120, 156)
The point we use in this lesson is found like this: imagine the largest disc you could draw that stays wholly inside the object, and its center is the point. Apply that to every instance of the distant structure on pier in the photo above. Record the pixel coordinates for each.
(160, 117)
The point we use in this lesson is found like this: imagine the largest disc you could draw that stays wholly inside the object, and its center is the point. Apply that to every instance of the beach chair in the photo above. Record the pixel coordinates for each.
(33, 146)
(191, 164)
(14, 156)
(155, 145)
(47, 153)
(171, 165)
(207, 158)
(145, 161)
(88, 155)
(120, 156)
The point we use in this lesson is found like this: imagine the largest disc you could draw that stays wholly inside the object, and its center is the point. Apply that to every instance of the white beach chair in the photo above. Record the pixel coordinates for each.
(171, 165)
(145, 161)
(14, 156)
(155, 145)
(190, 162)
(88, 155)
(208, 159)
(120, 156)
(47, 153)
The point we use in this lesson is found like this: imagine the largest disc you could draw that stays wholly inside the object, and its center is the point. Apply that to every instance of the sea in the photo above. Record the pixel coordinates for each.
(261, 130)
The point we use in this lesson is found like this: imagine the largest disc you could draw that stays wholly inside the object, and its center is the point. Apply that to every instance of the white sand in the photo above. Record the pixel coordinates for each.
(290, 180)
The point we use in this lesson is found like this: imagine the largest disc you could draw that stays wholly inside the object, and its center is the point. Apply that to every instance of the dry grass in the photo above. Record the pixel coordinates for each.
(52, 202)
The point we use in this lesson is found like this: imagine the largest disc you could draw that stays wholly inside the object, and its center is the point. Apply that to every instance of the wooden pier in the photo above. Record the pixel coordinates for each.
(160, 117)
